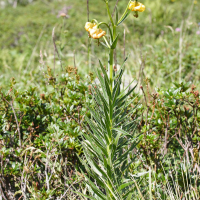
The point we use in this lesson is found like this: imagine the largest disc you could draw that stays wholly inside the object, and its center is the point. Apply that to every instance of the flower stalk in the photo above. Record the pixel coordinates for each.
(109, 135)
(111, 56)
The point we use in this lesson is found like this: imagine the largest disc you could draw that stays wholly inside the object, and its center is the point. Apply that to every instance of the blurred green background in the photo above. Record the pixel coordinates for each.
(163, 44)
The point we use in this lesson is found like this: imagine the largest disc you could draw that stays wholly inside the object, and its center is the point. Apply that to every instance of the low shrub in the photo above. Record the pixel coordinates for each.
(39, 136)
(170, 137)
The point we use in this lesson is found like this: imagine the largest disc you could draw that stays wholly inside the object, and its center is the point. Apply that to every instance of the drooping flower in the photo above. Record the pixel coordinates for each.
(97, 33)
(136, 6)
(94, 32)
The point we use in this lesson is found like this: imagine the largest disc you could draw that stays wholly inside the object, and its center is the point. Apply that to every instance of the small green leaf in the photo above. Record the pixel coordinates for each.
(121, 187)
(123, 18)
(114, 44)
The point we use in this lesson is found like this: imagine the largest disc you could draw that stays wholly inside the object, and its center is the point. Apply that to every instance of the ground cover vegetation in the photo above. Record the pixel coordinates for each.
(73, 126)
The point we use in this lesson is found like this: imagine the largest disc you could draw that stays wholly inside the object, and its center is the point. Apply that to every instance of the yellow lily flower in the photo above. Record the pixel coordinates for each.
(97, 33)
(136, 7)
(94, 32)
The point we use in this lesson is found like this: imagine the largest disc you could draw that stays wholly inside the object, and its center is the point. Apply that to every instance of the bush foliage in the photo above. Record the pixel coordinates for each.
(44, 109)
(39, 136)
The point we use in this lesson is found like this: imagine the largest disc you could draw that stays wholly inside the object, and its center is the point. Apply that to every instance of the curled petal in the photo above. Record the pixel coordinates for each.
(89, 26)
(96, 33)
(133, 6)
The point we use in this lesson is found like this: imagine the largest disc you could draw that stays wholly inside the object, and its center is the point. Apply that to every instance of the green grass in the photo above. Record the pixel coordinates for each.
(159, 55)
(151, 40)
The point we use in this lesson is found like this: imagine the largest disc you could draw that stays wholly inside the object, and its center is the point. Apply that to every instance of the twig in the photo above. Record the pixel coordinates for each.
(15, 4)
(124, 44)
(88, 11)
(142, 65)
(33, 52)
(114, 10)
(24, 180)
(53, 170)
(62, 196)
(55, 49)
(185, 147)
(74, 60)
(180, 51)
(46, 174)
(1, 193)
(138, 188)
(20, 197)
(166, 133)
(145, 102)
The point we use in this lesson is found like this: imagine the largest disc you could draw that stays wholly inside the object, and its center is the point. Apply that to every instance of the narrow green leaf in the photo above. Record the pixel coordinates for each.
(124, 168)
(124, 185)
(124, 18)
(108, 89)
(124, 91)
(115, 144)
(107, 122)
(98, 170)
(100, 77)
(91, 151)
(101, 80)
(117, 14)
(91, 173)
(95, 189)
(95, 128)
(104, 72)
(123, 117)
(96, 117)
(102, 98)
(104, 44)
(123, 157)
(98, 143)
(114, 44)
(121, 68)
(124, 133)
(116, 92)
(126, 95)
(129, 194)
(99, 131)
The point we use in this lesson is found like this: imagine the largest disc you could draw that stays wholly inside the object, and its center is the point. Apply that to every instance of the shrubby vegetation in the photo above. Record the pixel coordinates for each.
(47, 109)
(39, 134)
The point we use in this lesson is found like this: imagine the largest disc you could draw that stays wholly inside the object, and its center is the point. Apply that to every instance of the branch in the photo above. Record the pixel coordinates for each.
(1, 193)
(56, 50)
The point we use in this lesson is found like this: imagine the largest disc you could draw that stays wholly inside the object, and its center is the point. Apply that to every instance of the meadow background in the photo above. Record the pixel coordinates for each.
(159, 42)
(44, 83)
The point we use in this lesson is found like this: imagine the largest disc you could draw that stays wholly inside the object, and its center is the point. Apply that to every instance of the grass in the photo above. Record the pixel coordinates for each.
(151, 40)
(163, 47)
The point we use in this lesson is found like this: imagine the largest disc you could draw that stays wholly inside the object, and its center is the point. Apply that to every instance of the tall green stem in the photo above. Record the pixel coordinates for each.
(114, 32)
(111, 50)
(111, 67)
(109, 14)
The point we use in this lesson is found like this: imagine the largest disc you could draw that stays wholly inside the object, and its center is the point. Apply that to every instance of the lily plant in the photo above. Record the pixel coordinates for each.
(109, 136)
